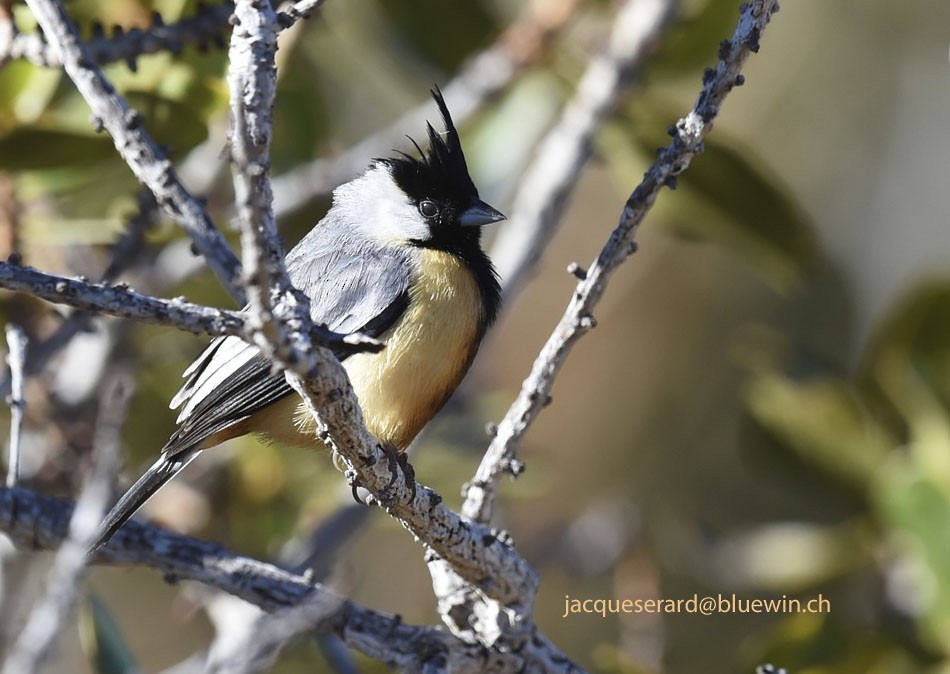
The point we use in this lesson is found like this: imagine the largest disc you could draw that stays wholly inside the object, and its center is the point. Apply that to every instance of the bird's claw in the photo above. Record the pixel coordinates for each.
(399, 461)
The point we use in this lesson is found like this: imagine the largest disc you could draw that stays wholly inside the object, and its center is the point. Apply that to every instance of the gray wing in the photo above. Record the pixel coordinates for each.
(350, 290)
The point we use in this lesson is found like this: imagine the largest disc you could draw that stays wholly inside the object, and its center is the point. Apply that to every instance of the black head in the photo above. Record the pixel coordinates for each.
(438, 184)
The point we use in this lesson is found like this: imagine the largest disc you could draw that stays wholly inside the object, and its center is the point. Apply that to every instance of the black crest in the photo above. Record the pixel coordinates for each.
(441, 173)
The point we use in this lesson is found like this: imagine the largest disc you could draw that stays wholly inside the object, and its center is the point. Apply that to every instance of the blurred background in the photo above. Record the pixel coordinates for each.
(761, 411)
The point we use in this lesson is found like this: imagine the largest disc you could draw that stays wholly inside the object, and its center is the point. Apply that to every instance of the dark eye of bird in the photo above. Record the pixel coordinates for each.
(428, 208)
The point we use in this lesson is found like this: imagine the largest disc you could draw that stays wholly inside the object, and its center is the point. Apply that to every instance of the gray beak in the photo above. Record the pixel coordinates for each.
(479, 213)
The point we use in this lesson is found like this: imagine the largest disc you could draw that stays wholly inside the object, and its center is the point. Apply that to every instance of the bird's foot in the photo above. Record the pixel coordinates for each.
(399, 461)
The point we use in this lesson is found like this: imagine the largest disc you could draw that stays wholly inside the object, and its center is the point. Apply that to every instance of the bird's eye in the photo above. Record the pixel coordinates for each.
(428, 208)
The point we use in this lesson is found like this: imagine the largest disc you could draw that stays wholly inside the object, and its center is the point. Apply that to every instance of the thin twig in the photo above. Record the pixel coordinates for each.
(301, 9)
(549, 181)
(252, 77)
(578, 319)
(16, 360)
(120, 301)
(129, 245)
(35, 643)
(208, 24)
(143, 155)
(482, 77)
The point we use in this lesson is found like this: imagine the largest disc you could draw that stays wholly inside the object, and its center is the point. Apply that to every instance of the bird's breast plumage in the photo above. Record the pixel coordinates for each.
(428, 351)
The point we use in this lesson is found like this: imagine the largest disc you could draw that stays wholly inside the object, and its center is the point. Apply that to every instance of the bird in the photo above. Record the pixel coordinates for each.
(398, 257)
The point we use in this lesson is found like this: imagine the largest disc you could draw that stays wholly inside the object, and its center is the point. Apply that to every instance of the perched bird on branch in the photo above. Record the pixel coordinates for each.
(397, 257)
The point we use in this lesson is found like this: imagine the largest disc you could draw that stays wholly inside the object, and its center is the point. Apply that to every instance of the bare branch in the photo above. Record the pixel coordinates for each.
(35, 521)
(138, 149)
(578, 318)
(482, 77)
(16, 360)
(302, 9)
(550, 179)
(252, 76)
(35, 643)
(121, 302)
(209, 23)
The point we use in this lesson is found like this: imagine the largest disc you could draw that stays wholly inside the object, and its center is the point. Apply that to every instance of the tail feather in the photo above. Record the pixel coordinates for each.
(164, 469)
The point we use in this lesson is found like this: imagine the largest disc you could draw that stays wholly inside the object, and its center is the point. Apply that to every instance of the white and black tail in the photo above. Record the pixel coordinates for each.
(168, 465)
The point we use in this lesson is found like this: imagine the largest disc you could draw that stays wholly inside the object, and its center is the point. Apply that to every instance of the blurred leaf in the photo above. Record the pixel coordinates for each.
(102, 640)
(811, 554)
(500, 132)
(36, 148)
(819, 644)
(918, 507)
(25, 92)
(170, 122)
(914, 338)
(301, 120)
(95, 191)
(823, 423)
(72, 232)
(450, 32)
(694, 40)
(724, 196)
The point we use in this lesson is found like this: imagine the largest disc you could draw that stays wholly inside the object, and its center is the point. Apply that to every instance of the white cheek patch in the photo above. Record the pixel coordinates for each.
(380, 209)
(397, 219)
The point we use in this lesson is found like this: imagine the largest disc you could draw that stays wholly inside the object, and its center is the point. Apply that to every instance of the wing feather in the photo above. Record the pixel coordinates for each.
(350, 289)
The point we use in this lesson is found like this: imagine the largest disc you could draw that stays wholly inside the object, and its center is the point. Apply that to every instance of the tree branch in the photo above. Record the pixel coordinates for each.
(267, 635)
(208, 23)
(578, 317)
(38, 522)
(121, 302)
(301, 9)
(252, 77)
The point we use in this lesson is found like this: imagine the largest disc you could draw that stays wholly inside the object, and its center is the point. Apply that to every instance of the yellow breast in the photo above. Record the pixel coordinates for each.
(427, 353)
